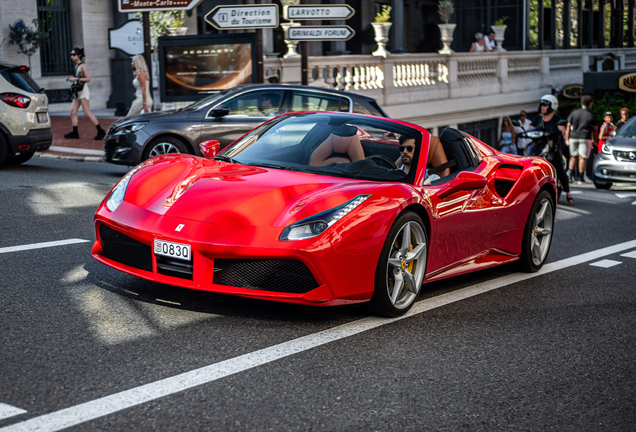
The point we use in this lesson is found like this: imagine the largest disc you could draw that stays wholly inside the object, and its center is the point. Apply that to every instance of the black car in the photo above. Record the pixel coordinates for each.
(224, 116)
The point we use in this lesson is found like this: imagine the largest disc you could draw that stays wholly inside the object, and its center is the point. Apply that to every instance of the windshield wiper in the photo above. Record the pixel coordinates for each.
(226, 159)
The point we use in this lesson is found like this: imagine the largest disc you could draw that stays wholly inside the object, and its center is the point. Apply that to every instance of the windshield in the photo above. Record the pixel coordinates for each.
(628, 129)
(341, 145)
(20, 78)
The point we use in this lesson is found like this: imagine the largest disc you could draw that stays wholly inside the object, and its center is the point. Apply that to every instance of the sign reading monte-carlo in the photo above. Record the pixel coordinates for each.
(155, 5)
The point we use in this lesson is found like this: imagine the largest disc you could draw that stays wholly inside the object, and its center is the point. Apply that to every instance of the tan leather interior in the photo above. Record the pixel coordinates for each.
(350, 146)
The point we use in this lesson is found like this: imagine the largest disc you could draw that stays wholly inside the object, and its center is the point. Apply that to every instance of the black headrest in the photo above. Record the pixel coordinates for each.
(450, 134)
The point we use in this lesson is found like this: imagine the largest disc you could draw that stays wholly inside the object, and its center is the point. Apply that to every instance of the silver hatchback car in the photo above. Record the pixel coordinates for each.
(616, 163)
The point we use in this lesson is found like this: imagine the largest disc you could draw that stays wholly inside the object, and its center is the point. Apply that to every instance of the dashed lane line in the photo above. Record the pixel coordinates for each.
(7, 411)
(97, 408)
(41, 245)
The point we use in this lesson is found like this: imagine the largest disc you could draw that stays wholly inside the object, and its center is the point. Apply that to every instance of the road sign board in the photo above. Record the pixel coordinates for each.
(318, 12)
(321, 33)
(156, 5)
(225, 17)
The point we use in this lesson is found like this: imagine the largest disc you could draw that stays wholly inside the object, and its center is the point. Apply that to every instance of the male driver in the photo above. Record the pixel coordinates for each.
(581, 133)
(436, 156)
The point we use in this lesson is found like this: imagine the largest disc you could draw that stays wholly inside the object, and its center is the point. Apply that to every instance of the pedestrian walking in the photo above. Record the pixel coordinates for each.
(81, 94)
(624, 118)
(507, 137)
(141, 81)
(580, 133)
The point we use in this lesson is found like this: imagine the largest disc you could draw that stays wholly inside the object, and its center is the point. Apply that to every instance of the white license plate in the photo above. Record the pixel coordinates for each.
(173, 250)
(631, 167)
(42, 117)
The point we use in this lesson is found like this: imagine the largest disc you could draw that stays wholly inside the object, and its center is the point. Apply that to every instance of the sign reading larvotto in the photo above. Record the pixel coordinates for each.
(243, 16)
(318, 12)
(155, 5)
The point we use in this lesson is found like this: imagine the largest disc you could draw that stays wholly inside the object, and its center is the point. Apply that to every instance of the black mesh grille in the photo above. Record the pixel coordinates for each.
(125, 250)
(623, 174)
(278, 275)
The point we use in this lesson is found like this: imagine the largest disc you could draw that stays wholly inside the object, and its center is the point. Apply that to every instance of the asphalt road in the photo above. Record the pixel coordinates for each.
(88, 348)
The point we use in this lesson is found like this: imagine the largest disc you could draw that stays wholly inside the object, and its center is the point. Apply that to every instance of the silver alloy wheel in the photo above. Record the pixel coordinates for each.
(541, 234)
(163, 148)
(406, 265)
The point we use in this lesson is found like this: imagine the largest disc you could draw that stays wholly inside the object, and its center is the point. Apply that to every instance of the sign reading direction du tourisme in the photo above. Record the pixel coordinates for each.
(318, 12)
(238, 17)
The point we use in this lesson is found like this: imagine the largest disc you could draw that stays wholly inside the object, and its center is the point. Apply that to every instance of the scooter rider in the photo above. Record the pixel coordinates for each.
(549, 121)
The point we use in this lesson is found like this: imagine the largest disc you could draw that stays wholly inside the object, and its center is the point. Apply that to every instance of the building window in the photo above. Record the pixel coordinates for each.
(56, 18)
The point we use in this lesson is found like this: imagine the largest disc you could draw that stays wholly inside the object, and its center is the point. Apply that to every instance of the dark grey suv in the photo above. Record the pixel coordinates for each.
(225, 116)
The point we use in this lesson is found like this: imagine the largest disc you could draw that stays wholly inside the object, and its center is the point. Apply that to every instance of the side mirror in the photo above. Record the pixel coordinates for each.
(220, 111)
(210, 148)
(464, 181)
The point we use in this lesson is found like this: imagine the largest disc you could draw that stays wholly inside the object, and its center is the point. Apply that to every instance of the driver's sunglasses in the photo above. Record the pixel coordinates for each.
(408, 148)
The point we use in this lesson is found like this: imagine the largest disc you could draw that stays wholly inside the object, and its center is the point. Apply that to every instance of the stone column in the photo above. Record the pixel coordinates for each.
(396, 38)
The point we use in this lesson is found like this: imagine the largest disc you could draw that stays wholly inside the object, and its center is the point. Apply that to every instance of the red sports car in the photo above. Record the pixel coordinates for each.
(328, 209)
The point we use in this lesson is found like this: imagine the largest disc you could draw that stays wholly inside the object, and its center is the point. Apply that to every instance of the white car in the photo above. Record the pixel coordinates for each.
(25, 125)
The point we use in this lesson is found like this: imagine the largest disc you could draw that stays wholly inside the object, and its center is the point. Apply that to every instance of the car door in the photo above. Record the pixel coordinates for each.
(466, 208)
(246, 111)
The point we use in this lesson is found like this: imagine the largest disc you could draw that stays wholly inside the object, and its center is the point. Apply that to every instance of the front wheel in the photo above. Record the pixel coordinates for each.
(601, 184)
(401, 268)
(164, 145)
(537, 235)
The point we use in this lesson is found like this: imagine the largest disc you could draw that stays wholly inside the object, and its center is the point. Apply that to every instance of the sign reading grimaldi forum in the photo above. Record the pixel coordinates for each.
(321, 33)
(156, 5)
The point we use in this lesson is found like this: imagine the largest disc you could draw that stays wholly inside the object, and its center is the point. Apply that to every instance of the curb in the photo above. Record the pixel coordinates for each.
(69, 157)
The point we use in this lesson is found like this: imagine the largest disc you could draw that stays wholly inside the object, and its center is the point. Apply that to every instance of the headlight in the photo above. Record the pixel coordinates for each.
(130, 127)
(118, 193)
(535, 134)
(318, 223)
(606, 148)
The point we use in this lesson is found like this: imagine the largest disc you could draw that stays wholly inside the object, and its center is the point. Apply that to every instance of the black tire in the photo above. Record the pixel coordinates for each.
(537, 234)
(164, 145)
(4, 149)
(598, 184)
(401, 267)
(20, 159)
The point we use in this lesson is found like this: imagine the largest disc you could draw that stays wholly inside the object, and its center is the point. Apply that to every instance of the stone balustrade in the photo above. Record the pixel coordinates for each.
(436, 90)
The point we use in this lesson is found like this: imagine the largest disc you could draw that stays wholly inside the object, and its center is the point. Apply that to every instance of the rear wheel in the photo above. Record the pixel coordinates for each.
(19, 159)
(537, 236)
(601, 184)
(401, 268)
(164, 145)
(4, 149)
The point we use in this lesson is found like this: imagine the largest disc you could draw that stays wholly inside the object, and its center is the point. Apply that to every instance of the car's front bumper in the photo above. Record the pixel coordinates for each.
(608, 168)
(247, 261)
(124, 149)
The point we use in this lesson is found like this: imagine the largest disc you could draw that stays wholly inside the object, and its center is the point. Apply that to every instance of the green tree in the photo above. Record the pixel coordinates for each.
(28, 39)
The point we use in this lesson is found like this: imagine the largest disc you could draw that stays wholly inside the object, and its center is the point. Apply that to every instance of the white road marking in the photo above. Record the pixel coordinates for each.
(607, 263)
(91, 410)
(41, 245)
(631, 254)
(7, 411)
(627, 195)
(573, 192)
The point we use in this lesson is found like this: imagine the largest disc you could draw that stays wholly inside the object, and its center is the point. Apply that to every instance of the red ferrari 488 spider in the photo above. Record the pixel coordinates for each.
(328, 209)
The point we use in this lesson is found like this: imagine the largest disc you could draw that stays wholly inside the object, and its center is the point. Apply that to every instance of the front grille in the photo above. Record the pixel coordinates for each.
(174, 267)
(278, 275)
(125, 250)
(625, 156)
(622, 174)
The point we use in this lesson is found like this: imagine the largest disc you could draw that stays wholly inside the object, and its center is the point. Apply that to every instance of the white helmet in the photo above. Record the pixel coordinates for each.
(550, 100)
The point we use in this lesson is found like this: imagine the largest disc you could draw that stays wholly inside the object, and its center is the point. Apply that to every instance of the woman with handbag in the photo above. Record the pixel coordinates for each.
(80, 94)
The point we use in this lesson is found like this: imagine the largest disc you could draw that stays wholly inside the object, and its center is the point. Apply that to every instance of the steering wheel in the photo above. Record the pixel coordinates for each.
(382, 158)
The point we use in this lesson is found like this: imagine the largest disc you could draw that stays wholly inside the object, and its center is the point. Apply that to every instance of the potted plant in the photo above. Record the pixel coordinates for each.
(445, 9)
(28, 39)
(499, 28)
(381, 27)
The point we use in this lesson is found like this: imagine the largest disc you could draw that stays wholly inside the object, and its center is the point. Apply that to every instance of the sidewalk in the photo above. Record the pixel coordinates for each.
(83, 149)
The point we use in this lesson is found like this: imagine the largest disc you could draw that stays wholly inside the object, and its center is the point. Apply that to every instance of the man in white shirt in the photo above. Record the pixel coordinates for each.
(490, 41)
(522, 143)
